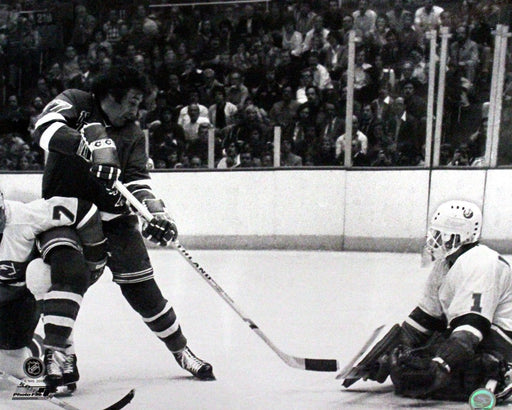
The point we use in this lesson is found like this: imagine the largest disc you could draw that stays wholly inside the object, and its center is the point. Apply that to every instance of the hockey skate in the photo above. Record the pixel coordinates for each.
(190, 362)
(54, 363)
(61, 372)
(70, 376)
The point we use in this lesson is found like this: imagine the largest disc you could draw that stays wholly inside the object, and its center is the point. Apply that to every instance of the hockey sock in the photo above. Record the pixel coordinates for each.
(146, 298)
(62, 302)
(70, 345)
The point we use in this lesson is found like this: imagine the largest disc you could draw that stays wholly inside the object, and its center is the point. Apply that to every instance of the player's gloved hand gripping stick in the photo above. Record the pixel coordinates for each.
(100, 150)
(161, 228)
(321, 365)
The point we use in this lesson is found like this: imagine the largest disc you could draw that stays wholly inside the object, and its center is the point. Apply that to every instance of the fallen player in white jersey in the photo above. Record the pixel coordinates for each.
(80, 258)
(459, 337)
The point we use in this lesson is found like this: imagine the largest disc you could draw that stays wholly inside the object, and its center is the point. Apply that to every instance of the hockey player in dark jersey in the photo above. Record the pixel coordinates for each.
(92, 140)
(74, 261)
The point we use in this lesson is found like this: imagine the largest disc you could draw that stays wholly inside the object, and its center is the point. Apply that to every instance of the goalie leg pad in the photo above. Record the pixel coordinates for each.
(374, 365)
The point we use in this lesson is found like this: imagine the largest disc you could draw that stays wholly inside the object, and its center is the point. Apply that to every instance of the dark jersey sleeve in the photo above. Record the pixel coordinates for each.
(55, 131)
(134, 165)
(67, 174)
(132, 151)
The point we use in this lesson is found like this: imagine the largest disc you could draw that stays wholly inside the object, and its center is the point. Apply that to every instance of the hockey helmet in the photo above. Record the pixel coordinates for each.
(453, 224)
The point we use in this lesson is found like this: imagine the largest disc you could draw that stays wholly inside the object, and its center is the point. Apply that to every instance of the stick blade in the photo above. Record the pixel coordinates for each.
(123, 402)
(321, 365)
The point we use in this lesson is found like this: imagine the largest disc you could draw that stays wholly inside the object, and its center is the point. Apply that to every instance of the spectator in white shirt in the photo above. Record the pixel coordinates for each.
(292, 39)
(191, 128)
(428, 17)
(364, 18)
(356, 134)
(321, 77)
(318, 30)
(222, 113)
(184, 117)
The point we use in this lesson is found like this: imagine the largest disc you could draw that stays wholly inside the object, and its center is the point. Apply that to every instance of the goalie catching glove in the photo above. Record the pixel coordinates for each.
(415, 375)
(447, 370)
(96, 148)
(162, 228)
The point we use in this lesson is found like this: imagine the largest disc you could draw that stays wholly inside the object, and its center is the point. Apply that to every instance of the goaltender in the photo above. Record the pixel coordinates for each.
(459, 337)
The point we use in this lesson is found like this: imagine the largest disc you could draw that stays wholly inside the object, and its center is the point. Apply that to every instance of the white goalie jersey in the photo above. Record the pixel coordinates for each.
(478, 286)
(24, 221)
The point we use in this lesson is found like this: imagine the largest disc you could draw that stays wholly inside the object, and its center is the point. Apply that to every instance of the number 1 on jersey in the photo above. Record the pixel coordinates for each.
(477, 298)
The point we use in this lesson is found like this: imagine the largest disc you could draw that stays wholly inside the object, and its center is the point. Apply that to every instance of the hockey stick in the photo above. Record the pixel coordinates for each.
(127, 398)
(320, 365)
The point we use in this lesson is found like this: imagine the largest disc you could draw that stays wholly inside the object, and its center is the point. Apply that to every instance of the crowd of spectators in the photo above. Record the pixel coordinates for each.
(242, 69)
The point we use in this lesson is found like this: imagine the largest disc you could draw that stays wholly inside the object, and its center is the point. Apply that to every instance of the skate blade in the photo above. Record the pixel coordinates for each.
(207, 378)
(65, 391)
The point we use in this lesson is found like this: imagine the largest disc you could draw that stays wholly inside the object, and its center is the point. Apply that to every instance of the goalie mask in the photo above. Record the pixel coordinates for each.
(453, 224)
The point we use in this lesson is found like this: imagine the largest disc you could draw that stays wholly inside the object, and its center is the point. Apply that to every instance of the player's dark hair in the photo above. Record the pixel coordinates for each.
(117, 80)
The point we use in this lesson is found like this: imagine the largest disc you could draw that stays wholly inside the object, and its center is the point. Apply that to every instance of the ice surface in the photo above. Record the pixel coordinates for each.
(310, 304)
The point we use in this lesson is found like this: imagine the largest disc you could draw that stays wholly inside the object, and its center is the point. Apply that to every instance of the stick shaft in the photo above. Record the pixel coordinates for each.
(326, 365)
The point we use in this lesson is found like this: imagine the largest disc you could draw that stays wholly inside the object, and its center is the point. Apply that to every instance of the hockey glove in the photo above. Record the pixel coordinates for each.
(162, 228)
(458, 349)
(417, 376)
(96, 148)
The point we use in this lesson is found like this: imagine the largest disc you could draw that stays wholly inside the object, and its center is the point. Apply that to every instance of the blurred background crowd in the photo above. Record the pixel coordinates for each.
(243, 69)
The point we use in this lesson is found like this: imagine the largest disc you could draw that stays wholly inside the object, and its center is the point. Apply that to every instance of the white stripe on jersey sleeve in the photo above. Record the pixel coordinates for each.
(416, 325)
(47, 135)
(87, 217)
(470, 329)
(52, 116)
